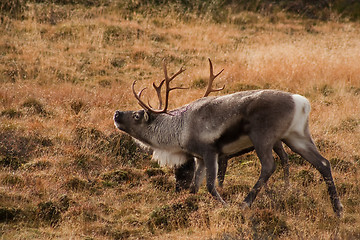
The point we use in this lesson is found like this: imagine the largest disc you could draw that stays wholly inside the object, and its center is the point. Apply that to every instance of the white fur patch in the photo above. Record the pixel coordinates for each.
(168, 158)
(241, 143)
(301, 115)
(297, 127)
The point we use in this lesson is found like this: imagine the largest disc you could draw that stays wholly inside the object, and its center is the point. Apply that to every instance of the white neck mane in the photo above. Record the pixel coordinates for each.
(168, 158)
(164, 157)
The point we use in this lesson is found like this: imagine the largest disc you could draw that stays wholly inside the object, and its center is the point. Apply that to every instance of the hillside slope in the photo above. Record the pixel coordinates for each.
(67, 173)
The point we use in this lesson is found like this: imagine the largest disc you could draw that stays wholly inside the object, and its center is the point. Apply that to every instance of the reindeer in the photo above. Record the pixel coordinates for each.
(184, 174)
(216, 127)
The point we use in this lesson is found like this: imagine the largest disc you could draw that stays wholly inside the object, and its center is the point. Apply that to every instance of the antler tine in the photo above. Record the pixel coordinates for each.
(141, 103)
(211, 79)
(138, 96)
(167, 79)
(167, 85)
(158, 92)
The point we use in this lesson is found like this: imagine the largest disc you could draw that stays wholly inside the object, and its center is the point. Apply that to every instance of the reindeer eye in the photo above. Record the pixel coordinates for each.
(136, 116)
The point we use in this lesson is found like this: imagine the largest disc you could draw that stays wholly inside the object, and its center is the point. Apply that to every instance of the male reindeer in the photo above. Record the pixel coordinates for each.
(213, 127)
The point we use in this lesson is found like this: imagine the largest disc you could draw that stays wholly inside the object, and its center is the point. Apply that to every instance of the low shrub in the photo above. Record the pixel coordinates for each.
(11, 113)
(9, 214)
(35, 107)
(172, 217)
(49, 213)
(121, 176)
(13, 8)
(76, 184)
(17, 147)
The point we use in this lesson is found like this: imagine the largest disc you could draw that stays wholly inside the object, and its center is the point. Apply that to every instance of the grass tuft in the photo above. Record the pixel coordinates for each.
(306, 178)
(121, 176)
(11, 113)
(151, 172)
(33, 106)
(77, 106)
(9, 214)
(49, 213)
(76, 184)
(172, 217)
(267, 225)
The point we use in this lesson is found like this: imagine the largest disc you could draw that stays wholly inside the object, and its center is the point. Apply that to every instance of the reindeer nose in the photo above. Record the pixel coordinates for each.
(117, 116)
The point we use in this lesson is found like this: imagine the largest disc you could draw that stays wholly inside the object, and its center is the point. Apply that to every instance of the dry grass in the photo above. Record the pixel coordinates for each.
(66, 173)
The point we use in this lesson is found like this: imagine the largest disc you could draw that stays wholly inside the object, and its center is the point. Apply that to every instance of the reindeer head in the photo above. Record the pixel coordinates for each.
(141, 124)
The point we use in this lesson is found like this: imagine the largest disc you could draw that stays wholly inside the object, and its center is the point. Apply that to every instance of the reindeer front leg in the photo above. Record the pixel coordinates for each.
(211, 164)
(199, 176)
(184, 174)
(222, 165)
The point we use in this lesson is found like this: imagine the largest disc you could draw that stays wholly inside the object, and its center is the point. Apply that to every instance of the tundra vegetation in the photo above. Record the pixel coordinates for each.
(66, 65)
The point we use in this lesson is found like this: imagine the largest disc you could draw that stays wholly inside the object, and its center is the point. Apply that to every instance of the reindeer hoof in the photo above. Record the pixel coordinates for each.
(339, 210)
(193, 189)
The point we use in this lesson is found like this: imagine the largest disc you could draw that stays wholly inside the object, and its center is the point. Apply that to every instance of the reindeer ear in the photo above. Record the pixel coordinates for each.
(146, 116)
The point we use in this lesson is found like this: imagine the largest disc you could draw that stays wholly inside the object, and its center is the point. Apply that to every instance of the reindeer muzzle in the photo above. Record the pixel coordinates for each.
(117, 116)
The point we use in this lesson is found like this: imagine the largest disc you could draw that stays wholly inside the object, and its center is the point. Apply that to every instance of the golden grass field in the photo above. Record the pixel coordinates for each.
(67, 173)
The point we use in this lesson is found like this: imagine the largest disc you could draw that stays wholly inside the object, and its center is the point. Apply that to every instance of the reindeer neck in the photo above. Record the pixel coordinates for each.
(165, 130)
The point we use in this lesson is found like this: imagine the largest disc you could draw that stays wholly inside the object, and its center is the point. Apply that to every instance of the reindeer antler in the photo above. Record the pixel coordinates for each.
(167, 81)
(138, 96)
(167, 85)
(158, 92)
(211, 79)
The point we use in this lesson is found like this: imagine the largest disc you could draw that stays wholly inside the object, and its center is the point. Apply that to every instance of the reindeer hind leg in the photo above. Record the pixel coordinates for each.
(305, 147)
(284, 159)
